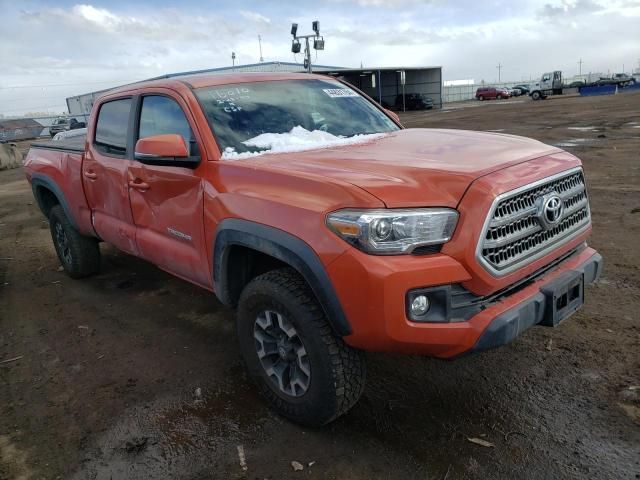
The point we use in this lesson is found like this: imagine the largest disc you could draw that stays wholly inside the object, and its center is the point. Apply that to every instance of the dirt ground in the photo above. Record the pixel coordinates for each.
(136, 374)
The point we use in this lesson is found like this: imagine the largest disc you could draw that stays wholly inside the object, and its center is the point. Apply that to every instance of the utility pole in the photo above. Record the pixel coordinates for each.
(580, 67)
(233, 60)
(260, 43)
(499, 67)
(318, 42)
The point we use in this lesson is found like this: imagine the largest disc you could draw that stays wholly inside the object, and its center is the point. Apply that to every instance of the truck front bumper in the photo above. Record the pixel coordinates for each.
(375, 301)
(552, 303)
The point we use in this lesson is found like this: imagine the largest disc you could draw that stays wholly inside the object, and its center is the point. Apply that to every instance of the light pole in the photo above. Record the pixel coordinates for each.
(233, 60)
(318, 42)
(499, 67)
(580, 68)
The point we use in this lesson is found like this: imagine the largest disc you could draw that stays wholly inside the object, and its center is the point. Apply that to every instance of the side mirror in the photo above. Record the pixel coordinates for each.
(392, 114)
(166, 150)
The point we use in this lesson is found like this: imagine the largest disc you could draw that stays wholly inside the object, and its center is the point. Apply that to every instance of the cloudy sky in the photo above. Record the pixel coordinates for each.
(51, 50)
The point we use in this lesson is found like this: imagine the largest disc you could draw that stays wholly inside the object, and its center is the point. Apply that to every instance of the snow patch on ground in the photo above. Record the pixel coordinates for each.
(296, 140)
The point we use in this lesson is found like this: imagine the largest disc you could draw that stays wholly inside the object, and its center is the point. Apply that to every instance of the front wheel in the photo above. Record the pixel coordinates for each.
(304, 370)
(481, 98)
(536, 95)
(79, 255)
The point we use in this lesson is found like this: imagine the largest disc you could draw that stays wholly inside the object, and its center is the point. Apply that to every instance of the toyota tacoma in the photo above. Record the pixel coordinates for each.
(331, 229)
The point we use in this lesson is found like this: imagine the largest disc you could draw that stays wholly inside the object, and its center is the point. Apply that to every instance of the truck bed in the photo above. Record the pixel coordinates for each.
(57, 167)
(73, 144)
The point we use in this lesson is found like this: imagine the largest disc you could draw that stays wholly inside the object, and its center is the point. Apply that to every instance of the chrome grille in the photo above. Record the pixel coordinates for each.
(514, 234)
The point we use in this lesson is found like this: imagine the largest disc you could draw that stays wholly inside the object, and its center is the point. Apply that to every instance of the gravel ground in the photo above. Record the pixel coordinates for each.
(136, 374)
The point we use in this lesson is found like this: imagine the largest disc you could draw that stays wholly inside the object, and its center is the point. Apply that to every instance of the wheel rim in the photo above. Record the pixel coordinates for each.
(63, 244)
(282, 353)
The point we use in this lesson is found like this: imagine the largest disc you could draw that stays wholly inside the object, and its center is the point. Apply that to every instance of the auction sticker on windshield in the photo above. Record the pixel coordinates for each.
(339, 92)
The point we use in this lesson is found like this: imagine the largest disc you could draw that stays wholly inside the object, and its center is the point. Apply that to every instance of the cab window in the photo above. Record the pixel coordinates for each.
(112, 126)
(161, 115)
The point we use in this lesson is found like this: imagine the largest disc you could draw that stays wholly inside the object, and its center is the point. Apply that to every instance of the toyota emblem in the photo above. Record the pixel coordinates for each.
(551, 208)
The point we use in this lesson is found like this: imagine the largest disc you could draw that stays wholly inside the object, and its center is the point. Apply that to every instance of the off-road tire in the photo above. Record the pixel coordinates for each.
(337, 371)
(82, 256)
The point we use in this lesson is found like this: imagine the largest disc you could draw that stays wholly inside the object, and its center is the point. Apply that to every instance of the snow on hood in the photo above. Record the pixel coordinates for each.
(296, 140)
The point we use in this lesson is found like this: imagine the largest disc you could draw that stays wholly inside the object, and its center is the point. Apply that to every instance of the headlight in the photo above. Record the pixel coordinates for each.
(389, 232)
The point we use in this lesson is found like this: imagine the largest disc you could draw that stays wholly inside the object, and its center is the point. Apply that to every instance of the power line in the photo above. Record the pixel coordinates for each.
(26, 99)
(30, 108)
(6, 87)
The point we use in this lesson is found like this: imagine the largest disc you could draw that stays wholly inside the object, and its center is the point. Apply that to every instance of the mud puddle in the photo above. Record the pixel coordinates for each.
(589, 128)
(173, 438)
(577, 142)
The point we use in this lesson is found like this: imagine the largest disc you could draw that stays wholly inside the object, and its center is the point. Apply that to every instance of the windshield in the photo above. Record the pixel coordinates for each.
(241, 112)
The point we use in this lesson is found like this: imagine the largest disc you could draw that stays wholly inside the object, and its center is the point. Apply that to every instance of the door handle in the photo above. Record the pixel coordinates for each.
(90, 175)
(139, 185)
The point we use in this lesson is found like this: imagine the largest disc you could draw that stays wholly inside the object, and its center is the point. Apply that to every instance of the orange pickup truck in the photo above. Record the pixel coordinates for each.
(331, 229)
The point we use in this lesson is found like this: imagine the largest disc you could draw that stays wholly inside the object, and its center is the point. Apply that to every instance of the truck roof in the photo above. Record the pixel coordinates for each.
(214, 79)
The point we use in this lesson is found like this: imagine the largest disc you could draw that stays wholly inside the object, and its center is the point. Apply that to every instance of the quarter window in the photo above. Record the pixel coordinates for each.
(112, 126)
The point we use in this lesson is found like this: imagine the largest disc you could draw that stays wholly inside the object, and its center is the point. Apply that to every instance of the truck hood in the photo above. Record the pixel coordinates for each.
(413, 167)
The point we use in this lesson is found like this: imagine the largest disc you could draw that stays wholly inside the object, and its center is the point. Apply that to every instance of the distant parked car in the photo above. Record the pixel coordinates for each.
(62, 124)
(78, 133)
(487, 93)
(577, 84)
(503, 92)
(605, 81)
(524, 89)
(624, 79)
(414, 101)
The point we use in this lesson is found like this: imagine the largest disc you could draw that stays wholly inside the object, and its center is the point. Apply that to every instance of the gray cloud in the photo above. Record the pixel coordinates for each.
(75, 49)
(568, 9)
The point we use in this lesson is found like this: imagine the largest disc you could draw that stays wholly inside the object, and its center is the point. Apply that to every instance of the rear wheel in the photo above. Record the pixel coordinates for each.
(79, 255)
(304, 370)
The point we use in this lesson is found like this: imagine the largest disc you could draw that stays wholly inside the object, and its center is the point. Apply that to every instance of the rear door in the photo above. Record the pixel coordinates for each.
(105, 174)
(167, 201)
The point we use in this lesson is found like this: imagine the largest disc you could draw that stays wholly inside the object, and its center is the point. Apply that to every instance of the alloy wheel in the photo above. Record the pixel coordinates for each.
(63, 244)
(282, 353)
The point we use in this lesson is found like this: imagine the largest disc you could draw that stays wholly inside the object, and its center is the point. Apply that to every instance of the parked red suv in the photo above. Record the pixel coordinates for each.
(484, 93)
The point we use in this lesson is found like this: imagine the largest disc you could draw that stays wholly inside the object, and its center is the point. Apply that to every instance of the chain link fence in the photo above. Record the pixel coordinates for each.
(460, 93)
(15, 129)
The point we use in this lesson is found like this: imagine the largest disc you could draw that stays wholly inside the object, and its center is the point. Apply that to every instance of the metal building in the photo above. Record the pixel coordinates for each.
(389, 84)
(382, 84)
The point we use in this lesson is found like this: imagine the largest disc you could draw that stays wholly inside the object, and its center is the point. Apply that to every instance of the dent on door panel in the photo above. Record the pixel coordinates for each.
(169, 220)
(108, 194)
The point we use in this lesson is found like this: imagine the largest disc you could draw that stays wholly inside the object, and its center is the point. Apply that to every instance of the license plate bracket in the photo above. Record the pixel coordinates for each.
(564, 296)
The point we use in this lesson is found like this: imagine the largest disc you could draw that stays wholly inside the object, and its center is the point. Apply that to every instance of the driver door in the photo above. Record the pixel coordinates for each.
(167, 201)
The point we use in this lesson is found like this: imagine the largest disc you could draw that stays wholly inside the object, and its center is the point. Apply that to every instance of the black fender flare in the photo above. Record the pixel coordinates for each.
(285, 247)
(42, 180)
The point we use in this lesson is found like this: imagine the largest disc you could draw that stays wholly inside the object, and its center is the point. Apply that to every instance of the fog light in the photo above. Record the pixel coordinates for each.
(420, 305)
